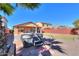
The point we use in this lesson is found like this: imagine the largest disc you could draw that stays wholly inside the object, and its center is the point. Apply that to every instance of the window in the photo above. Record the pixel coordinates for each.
(21, 29)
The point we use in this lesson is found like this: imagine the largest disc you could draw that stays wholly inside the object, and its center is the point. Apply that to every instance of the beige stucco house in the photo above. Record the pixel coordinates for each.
(29, 26)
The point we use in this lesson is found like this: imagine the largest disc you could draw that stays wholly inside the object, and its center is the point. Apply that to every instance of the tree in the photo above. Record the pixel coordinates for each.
(76, 23)
(31, 6)
(8, 8)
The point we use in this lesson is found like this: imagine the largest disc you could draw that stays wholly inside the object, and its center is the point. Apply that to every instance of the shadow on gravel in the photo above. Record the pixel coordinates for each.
(54, 45)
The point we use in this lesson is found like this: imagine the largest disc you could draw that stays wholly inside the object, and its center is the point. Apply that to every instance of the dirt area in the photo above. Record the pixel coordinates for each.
(52, 47)
(70, 47)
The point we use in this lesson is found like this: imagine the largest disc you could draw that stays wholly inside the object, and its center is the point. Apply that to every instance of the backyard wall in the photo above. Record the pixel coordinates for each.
(61, 31)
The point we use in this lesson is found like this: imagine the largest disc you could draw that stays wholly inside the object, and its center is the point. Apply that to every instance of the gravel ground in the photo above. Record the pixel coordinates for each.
(70, 47)
(67, 48)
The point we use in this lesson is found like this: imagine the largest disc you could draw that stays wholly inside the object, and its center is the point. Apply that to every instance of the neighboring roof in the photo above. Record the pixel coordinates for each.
(44, 23)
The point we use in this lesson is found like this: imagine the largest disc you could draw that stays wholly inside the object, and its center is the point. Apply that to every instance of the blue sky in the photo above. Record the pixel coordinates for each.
(54, 13)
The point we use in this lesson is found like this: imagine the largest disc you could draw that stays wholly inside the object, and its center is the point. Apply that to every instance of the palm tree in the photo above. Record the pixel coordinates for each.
(8, 8)
(31, 6)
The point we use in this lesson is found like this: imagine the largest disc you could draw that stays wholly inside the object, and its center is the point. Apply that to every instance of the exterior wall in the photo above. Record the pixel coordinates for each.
(16, 31)
(62, 31)
(57, 31)
(47, 30)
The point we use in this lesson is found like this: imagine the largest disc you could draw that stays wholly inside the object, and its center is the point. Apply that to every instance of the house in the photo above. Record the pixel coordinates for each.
(30, 26)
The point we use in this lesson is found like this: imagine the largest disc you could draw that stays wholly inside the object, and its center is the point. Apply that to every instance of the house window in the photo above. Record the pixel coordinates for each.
(21, 29)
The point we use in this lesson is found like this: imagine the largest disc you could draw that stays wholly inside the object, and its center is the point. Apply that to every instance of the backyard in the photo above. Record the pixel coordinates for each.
(58, 45)
(54, 43)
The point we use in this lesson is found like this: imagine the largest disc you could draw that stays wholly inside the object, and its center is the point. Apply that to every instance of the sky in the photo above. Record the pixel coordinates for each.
(53, 13)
